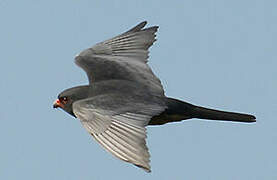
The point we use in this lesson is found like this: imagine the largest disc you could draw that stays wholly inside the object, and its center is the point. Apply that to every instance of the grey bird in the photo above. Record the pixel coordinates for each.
(124, 96)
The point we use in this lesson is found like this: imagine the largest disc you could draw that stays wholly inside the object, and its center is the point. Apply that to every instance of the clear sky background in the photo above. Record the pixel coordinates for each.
(215, 53)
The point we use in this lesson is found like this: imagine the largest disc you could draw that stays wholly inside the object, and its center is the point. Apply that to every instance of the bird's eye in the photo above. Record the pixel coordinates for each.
(64, 100)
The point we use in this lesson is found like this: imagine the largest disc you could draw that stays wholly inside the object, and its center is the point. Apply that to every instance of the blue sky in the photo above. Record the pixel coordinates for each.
(214, 53)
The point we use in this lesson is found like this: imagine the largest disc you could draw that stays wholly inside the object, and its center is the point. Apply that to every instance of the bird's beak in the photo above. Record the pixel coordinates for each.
(57, 104)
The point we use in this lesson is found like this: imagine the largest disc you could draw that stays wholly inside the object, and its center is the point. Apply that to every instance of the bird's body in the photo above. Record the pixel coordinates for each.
(124, 96)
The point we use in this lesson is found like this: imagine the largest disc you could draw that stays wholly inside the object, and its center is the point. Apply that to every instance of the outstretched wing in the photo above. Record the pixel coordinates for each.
(123, 57)
(118, 123)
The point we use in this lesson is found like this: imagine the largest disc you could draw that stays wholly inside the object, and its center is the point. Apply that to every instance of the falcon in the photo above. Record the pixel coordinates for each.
(124, 96)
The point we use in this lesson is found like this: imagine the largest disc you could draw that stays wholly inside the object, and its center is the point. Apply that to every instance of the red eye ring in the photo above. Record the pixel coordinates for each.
(63, 100)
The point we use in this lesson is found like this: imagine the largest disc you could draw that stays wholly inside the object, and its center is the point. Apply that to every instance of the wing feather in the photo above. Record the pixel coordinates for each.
(120, 130)
(122, 57)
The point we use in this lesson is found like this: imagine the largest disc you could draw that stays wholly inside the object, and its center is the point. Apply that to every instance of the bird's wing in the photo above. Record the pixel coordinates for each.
(118, 123)
(122, 57)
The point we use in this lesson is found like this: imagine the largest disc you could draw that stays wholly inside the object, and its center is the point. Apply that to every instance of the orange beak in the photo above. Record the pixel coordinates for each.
(58, 104)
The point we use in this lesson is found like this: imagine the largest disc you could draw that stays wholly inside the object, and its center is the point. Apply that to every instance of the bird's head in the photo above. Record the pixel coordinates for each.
(69, 96)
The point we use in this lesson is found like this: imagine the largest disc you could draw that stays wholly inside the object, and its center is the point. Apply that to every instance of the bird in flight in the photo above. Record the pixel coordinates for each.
(124, 96)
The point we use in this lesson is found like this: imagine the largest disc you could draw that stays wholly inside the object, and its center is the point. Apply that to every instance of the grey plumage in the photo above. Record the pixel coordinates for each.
(118, 121)
(124, 96)
(122, 57)
(119, 128)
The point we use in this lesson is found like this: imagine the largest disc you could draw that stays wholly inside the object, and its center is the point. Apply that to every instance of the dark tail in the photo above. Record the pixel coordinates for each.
(205, 113)
(178, 110)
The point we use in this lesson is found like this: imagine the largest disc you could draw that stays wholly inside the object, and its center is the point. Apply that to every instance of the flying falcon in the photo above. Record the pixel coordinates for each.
(124, 96)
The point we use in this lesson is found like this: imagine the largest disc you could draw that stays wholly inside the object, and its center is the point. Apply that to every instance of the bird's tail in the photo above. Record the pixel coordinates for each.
(205, 113)
(179, 110)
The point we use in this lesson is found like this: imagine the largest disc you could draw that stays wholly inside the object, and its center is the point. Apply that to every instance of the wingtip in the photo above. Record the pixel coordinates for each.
(145, 168)
(137, 27)
(143, 23)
